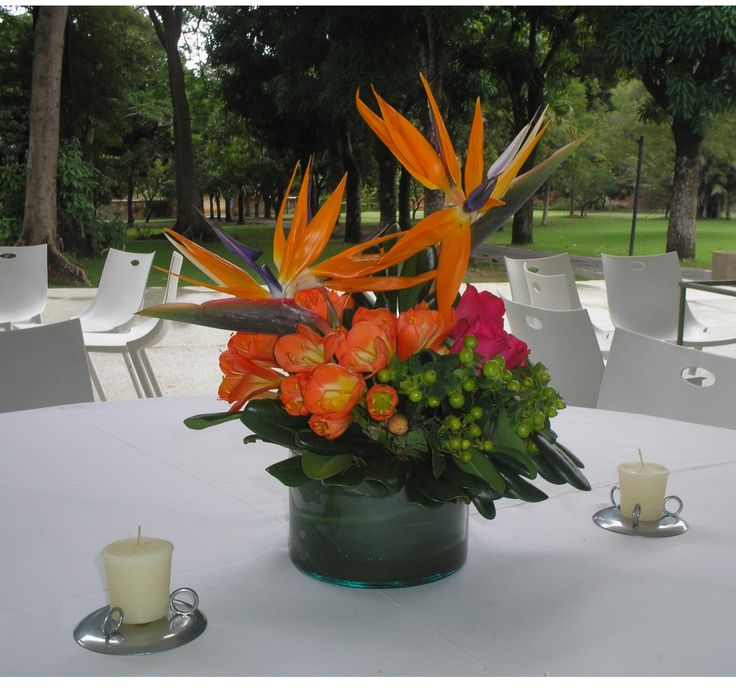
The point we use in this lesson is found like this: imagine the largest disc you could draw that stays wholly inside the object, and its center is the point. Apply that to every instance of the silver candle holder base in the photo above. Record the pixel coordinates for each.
(105, 630)
(669, 524)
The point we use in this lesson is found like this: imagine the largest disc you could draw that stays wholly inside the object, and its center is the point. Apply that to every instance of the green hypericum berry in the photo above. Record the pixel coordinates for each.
(560, 404)
(468, 385)
(523, 430)
(491, 369)
(507, 376)
(474, 431)
(466, 356)
(528, 382)
(456, 400)
(476, 413)
(538, 420)
(532, 448)
(415, 396)
(465, 444)
(430, 376)
(513, 386)
(487, 446)
(384, 375)
(470, 342)
(455, 443)
(453, 422)
(433, 402)
(551, 412)
(466, 456)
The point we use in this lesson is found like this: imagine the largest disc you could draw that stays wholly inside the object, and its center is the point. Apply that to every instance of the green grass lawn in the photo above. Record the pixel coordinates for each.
(585, 236)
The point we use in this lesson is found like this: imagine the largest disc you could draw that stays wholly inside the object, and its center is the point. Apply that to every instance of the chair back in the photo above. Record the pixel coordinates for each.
(646, 375)
(43, 366)
(120, 293)
(565, 341)
(23, 282)
(153, 331)
(556, 292)
(558, 264)
(644, 296)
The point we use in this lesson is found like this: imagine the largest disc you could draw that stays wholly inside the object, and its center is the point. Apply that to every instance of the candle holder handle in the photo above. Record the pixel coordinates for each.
(183, 601)
(112, 621)
(679, 505)
(635, 514)
(613, 494)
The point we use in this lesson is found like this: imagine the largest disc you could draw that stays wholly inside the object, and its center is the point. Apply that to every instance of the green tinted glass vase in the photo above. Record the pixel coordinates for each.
(358, 537)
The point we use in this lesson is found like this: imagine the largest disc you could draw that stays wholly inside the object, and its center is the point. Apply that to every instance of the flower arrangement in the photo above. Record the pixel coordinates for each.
(369, 366)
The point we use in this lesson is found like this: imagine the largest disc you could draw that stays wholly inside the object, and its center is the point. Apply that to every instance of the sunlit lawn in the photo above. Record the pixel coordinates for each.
(588, 236)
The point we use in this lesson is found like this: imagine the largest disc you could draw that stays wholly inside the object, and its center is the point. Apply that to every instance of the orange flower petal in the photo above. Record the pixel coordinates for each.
(448, 151)
(279, 237)
(453, 263)
(474, 168)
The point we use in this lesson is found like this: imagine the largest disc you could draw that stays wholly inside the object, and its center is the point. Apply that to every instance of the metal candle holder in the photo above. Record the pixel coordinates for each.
(668, 525)
(105, 630)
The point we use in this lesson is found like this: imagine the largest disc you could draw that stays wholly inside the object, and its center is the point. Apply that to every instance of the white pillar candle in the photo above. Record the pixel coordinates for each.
(643, 484)
(138, 573)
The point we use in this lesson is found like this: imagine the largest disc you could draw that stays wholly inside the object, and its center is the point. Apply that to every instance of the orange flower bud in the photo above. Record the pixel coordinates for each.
(291, 396)
(381, 400)
(244, 380)
(398, 424)
(328, 427)
(421, 328)
(255, 347)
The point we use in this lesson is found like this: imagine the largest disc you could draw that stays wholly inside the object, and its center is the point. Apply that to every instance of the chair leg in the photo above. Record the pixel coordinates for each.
(95, 380)
(149, 370)
(133, 375)
(141, 373)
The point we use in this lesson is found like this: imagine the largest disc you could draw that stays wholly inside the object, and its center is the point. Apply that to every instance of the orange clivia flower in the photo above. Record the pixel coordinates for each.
(244, 380)
(303, 350)
(421, 328)
(381, 400)
(379, 316)
(468, 195)
(332, 390)
(328, 427)
(253, 346)
(365, 348)
(291, 395)
(316, 300)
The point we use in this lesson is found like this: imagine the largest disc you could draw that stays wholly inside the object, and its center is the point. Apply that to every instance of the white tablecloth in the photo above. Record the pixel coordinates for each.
(544, 590)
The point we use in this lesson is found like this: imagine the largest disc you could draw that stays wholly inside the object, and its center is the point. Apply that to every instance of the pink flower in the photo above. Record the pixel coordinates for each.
(481, 314)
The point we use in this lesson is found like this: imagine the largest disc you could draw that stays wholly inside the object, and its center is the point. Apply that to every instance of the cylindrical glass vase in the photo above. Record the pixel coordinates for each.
(358, 537)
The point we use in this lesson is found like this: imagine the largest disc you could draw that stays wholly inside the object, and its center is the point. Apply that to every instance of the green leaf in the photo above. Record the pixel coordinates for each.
(320, 467)
(352, 477)
(207, 420)
(267, 418)
(289, 472)
(562, 464)
(482, 467)
(486, 508)
(264, 316)
(390, 473)
(521, 489)
(437, 490)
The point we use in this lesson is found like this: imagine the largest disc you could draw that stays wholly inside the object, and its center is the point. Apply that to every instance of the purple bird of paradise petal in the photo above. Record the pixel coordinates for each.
(249, 256)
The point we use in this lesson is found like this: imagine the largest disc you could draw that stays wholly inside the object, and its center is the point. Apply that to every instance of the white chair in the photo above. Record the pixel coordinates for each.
(649, 376)
(516, 268)
(120, 292)
(565, 342)
(644, 296)
(43, 366)
(557, 292)
(132, 344)
(23, 285)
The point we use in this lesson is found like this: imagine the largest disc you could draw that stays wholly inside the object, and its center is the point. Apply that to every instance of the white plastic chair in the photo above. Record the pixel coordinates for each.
(23, 285)
(644, 296)
(557, 292)
(43, 366)
(132, 344)
(656, 378)
(120, 292)
(565, 342)
(558, 264)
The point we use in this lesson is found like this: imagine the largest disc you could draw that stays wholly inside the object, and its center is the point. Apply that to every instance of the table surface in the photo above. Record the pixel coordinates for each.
(544, 590)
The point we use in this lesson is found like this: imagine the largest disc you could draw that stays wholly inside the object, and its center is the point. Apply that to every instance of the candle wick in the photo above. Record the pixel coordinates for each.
(641, 457)
(138, 541)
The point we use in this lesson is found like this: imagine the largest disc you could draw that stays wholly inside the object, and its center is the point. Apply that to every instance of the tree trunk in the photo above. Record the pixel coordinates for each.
(168, 24)
(353, 229)
(247, 198)
(241, 205)
(228, 208)
(545, 212)
(405, 213)
(217, 201)
(684, 209)
(386, 185)
(131, 189)
(212, 205)
(267, 205)
(39, 212)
